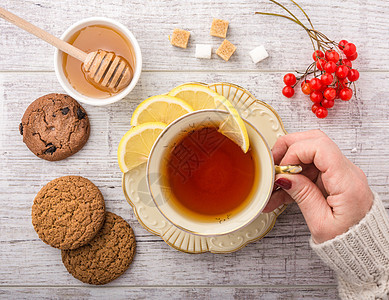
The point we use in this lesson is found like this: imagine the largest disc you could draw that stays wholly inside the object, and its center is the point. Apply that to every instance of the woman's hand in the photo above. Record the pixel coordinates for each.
(332, 193)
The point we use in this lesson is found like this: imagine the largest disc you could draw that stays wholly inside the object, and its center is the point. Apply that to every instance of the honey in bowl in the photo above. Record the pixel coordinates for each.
(89, 39)
(209, 176)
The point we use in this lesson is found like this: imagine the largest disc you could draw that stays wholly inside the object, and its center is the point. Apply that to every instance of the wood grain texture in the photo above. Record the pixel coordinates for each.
(150, 293)
(281, 265)
(153, 21)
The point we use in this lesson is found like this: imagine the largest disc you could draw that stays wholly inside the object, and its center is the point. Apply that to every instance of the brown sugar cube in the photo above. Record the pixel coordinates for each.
(225, 50)
(180, 38)
(219, 28)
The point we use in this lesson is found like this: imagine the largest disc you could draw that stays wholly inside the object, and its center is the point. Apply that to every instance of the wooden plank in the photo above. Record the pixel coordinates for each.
(275, 261)
(153, 22)
(360, 124)
(148, 293)
(282, 258)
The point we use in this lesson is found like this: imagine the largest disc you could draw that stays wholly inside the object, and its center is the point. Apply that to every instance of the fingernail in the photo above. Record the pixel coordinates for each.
(283, 183)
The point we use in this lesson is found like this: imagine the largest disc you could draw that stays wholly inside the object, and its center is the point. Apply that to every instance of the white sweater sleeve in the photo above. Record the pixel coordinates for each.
(360, 256)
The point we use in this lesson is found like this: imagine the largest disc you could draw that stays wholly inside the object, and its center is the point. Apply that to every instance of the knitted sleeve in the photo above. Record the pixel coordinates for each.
(360, 256)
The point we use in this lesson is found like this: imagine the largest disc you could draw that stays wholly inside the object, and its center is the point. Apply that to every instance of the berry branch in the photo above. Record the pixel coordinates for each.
(332, 69)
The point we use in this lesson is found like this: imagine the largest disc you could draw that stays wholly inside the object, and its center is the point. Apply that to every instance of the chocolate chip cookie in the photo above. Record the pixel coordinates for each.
(106, 257)
(68, 212)
(54, 127)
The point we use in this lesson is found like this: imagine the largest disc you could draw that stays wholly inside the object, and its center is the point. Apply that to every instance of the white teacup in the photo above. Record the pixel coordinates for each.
(161, 192)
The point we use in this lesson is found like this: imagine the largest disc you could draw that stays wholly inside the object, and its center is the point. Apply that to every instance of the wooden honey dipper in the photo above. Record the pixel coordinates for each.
(103, 68)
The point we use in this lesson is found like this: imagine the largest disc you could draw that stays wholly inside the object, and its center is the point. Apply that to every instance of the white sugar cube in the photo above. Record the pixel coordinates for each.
(203, 51)
(258, 54)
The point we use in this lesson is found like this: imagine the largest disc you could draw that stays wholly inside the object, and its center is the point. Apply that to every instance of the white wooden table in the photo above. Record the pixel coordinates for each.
(280, 266)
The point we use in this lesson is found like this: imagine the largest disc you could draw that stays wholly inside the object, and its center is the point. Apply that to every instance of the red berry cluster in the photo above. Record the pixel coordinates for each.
(336, 74)
(332, 71)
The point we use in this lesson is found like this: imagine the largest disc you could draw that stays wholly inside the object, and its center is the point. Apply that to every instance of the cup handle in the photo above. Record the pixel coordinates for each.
(290, 169)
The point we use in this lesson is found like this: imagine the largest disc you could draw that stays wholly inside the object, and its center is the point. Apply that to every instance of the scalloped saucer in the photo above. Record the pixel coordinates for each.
(137, 194)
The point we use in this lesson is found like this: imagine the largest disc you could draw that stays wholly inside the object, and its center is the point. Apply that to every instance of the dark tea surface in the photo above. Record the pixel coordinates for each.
(209, 174)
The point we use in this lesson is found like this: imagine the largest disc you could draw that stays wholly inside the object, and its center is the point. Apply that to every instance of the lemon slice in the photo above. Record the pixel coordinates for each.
(162, 108)
(196, 95)
(201, 97)
(135, 145)
(233, 126)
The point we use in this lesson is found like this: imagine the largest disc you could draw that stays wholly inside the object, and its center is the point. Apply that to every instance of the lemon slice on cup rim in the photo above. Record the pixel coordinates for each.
(161, 108)
(233, 126)
(135, 146)
(201, 97)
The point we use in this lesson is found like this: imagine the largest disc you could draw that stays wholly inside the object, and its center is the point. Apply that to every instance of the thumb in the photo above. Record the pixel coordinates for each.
(309, 198)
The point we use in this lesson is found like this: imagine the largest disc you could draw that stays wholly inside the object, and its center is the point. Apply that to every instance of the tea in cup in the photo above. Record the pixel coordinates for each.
(203, 182)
